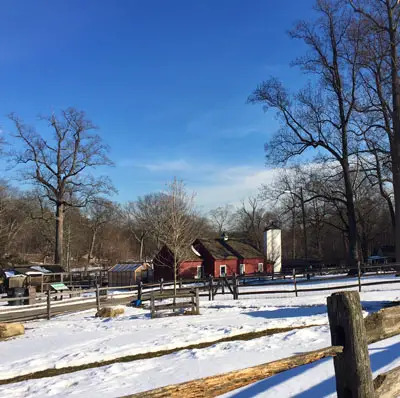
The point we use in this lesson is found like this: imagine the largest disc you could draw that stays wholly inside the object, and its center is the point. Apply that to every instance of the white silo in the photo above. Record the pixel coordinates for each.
(273, 246)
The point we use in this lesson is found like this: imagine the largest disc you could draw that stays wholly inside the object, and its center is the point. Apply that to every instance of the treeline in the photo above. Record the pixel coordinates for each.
(345, 123)
(105, 232)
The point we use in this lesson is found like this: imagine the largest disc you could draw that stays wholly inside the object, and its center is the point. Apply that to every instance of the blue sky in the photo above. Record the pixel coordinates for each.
(165, 81)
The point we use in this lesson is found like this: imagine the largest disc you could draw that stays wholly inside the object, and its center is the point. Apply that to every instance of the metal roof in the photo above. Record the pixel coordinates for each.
(40, 269)
(125, 267)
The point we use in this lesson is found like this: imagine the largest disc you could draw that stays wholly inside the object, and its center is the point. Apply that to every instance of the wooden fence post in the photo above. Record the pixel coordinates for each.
(193, 303)
(180, 283)
(140, 288)
(197, 302)
(48, 305)
(223, 284)
(210, 287)
(97, 297)
(234, 286)
(152, 306)
(359, 277)
(161, 285)
(352, 367)
(295, 281)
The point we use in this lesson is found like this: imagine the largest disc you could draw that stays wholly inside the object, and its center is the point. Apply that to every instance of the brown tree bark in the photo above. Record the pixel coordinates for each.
(59, 241)
(389, 25)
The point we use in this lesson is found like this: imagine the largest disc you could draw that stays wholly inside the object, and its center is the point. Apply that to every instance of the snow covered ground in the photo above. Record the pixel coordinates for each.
(81, 338)
(318, 379)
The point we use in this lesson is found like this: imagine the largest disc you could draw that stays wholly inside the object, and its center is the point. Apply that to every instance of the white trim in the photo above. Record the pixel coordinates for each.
(220, 273)
(242, 268)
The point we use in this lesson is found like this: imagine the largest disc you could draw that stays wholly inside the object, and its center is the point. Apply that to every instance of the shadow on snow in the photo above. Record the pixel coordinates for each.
(385, 356)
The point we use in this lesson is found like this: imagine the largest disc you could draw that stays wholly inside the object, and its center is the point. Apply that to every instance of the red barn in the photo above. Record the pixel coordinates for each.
(216, 257)
(228, 256)
(163, 265)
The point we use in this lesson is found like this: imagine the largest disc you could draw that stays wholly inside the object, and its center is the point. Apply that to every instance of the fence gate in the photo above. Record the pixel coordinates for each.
(221, 284)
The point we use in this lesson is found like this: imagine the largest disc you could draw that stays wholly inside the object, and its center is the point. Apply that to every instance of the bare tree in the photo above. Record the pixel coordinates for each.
(14, 215)
(60, 167)
(100, 212)
(321, 116)
(250, 219)
(382, 80)
(173, 221)
(292, 183)
(221, 218)
(135, 218)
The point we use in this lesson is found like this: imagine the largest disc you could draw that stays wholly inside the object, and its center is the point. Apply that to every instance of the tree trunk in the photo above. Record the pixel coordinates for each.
(395, 142)
(141, 249)
(175, 275)
(351, 217)
(303, 212)
(293, 235)
(58, 254)
(91, 248)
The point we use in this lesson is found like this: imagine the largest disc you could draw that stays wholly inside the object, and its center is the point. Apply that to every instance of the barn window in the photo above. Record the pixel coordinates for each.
(199, 272)
(260, 267)
(241, 269)
(222, 270)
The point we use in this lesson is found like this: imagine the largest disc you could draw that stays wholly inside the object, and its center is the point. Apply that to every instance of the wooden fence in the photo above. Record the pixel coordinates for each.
(76, 279)
(349, 349)
(236, 286)
(176, 301)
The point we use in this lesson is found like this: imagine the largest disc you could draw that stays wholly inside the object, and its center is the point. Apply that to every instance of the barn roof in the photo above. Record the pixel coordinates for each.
(191, 255)
(243, 249)
(217, 249)
(125, 267)
(230, 249)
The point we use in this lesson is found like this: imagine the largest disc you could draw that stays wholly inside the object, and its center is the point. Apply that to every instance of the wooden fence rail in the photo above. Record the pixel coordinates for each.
(349, 334)
(193, 303)
(210, 287)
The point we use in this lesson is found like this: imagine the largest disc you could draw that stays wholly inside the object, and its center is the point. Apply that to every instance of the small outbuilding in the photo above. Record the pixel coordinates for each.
(128, 274)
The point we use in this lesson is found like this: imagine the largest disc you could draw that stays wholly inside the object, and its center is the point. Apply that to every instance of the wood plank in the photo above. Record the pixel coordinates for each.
(387, 385)
(383, 324)
(172, 306)
(214, 386)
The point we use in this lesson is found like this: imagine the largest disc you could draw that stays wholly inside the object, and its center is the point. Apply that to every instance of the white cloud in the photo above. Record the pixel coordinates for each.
(164, 165)
(232, 185)
(215, 184)
(169, 165)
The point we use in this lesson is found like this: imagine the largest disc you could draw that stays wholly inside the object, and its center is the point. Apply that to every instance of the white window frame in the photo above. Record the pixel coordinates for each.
(197, 272)
(242, 268)
(220, 273)
(260, 267)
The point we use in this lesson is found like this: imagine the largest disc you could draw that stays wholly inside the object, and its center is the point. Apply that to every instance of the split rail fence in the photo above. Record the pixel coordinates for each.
(47, 304)
(349, 336)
